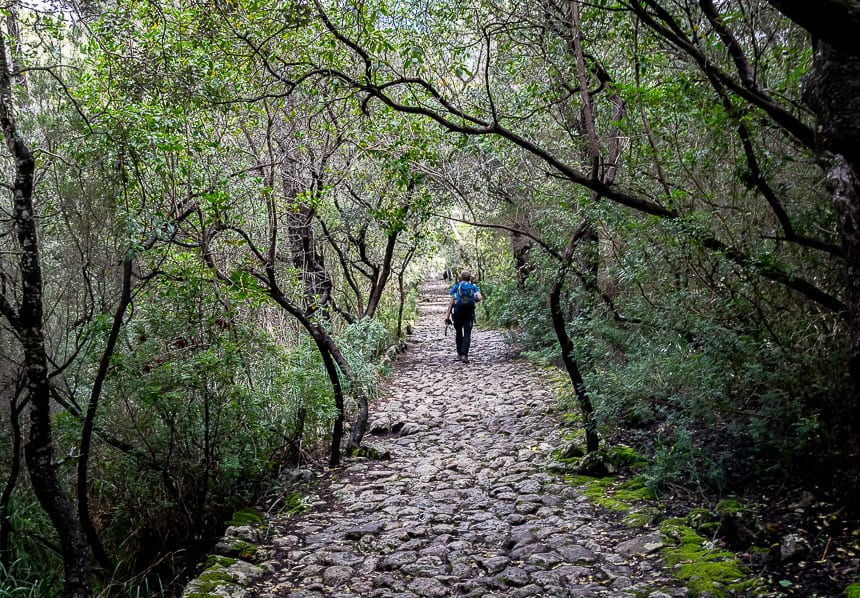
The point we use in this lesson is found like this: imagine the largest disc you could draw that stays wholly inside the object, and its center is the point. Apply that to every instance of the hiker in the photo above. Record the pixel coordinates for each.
(461, 309)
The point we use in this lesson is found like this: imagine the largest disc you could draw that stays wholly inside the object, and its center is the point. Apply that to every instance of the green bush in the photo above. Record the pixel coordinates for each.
(204, 405)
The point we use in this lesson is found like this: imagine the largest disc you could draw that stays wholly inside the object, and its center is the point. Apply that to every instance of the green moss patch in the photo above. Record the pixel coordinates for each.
(703, 569)
(245, 517)
(613, 494)
(600, 463)
(247, 552)
(210, 580)
(216, 560)
(853, 591)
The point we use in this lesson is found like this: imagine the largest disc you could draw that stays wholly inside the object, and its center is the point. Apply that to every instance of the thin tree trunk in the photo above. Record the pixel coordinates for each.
(382, 277)
(402, 291)
(566, 344)
(327, 349)
(28, 323)
(89, 420)
(11, 481)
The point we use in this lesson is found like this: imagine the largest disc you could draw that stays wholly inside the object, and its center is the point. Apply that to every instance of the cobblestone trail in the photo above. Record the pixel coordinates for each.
(465, 505)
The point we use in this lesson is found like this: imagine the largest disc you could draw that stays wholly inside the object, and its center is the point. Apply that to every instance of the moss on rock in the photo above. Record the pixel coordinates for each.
(209, 581)
(216, 560)
(245, 517)
(704, 569)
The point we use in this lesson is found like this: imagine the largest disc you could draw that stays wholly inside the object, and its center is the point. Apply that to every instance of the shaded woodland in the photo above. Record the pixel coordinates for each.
(215, 216)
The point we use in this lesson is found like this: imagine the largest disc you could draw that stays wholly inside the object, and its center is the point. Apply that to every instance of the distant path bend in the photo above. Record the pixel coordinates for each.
(464, 506)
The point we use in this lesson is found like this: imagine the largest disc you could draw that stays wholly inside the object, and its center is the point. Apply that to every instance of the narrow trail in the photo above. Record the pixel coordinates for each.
(465, 505)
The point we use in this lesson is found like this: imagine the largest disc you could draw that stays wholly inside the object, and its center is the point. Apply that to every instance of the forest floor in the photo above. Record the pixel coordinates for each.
(463, 498)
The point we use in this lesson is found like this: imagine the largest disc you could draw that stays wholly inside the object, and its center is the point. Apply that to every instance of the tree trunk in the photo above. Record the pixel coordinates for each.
(833, 92)
(28, 323)
(401, 274)
(90, 417)
(559, 324)
(520, 246)
(11, 481)
(382, 277)
(327, 349)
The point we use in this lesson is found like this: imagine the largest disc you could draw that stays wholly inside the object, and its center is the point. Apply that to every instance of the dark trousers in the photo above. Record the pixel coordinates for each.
(463, 325)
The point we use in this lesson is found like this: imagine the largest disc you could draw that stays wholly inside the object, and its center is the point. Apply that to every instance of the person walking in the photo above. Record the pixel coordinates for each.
(461, 310)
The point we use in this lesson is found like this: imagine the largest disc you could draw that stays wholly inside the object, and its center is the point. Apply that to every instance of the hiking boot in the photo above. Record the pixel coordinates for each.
(465, 358)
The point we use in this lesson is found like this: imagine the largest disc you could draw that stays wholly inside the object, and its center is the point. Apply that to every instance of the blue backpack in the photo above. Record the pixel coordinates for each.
(465, 295)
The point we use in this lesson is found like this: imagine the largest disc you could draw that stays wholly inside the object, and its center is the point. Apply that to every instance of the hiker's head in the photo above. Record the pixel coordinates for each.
(466, 276)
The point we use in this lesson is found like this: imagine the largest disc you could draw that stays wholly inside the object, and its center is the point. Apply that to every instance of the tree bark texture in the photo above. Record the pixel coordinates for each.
(382, 276)
(28, 323)
(11, 481)
(833, 92)
(520, 247)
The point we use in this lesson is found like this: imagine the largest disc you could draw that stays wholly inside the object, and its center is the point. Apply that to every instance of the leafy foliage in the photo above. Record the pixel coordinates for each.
(234, 151)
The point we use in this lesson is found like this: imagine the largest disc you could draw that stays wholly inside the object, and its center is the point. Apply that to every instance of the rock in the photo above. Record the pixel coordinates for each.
(572, 451)
(794, 548)
(356, 533)
(428, 586)
(426, 566)
(411, 428)
(515, 576)
(596, 465)
(545, 560)
(576, 554)
(298, 476)
(244, 533)
(521, 537)
(337, 575)
(343, 559)
(241, 541)
(529, 590)
(739, 524)
(397, 560)
(495, 564)
(640, 545)
(369, 451)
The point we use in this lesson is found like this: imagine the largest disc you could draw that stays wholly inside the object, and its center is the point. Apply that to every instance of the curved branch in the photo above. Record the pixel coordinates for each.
(737, 53)
(775, 274)
(517, 231)
(834, 21)
(757, 178)
(672, 33)
(756, 96)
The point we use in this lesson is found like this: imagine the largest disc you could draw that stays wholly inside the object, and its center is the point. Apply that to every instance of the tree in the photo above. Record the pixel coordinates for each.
(377, 72)
(833, 92)
(26, 318)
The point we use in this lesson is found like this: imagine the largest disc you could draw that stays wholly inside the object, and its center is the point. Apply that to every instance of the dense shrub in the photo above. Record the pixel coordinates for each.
(721, 391)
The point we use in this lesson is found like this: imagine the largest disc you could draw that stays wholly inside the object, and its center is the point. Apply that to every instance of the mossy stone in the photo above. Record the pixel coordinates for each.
(211, 579)
(245, 517)
(245, 550)
(703, 569)
(701, 518)
(216, 560)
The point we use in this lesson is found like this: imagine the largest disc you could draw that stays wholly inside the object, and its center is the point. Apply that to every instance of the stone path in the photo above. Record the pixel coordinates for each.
(464, 506)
